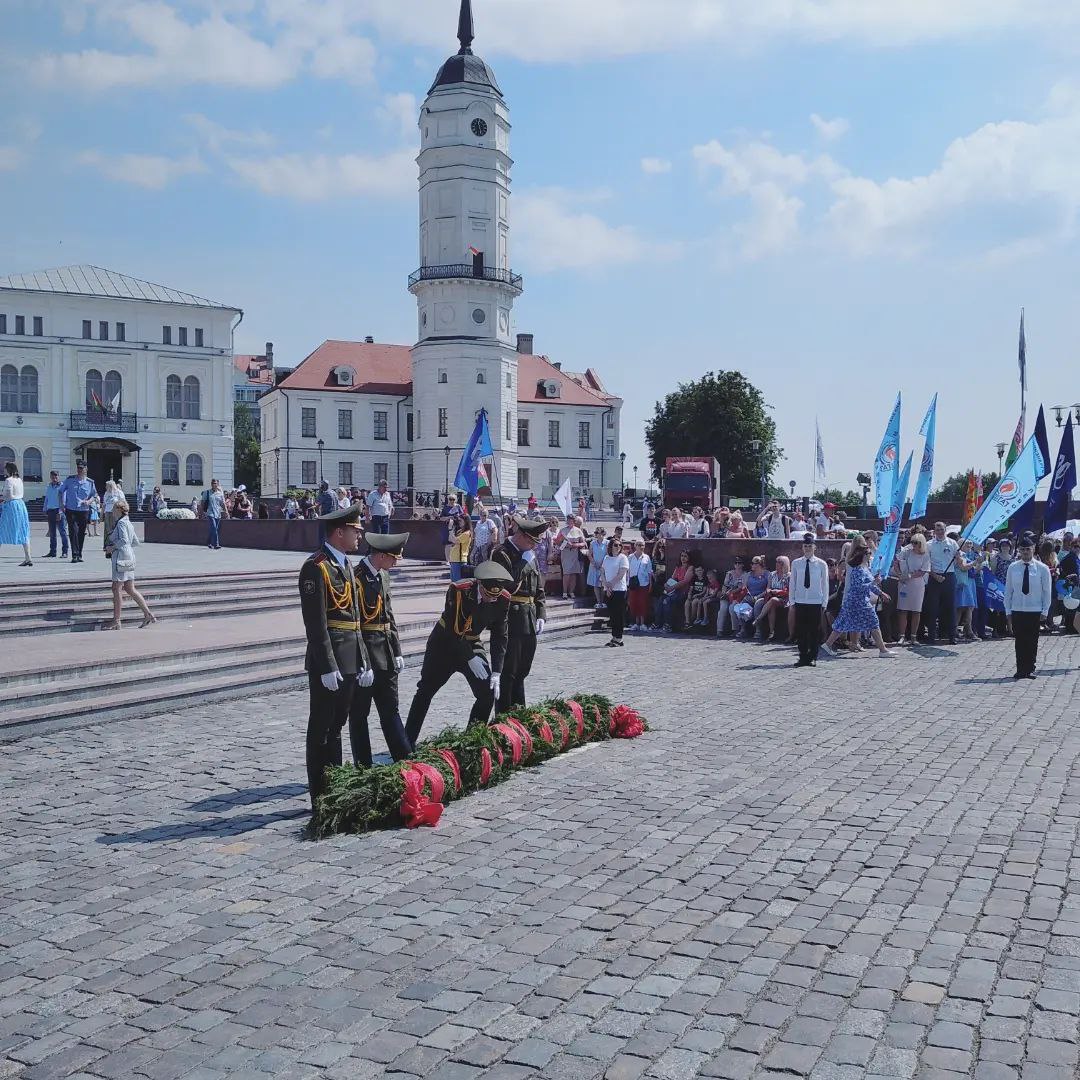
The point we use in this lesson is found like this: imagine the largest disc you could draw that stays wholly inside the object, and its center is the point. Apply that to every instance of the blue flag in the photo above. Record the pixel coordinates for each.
(1061, 487)
(926, 469)
(1021, 522)
(1012, 491)
(995, 590)
(887, 462)
(479, 447)
(886, 550)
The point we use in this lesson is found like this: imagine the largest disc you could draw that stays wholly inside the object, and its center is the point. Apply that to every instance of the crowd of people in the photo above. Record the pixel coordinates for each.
(772, 523)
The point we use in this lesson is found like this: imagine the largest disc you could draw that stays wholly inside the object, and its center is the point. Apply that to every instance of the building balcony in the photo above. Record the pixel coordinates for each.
(466, 270)
(100, 420)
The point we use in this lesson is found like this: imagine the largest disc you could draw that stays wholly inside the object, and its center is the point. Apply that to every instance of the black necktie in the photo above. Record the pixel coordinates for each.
(806, 578)
(1027, 579)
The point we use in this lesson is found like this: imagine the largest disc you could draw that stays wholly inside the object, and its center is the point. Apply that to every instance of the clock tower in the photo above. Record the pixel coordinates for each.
(464, 358)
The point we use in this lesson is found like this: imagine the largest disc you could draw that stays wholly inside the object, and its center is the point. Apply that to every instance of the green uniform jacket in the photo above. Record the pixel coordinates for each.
(382, 645)
(527, 592)
(462, 603)
(329, 649)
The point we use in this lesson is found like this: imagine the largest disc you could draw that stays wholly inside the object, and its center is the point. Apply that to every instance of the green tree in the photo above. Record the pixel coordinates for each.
(717, 416)
(841, 498)
(955, 488)
(246, 452)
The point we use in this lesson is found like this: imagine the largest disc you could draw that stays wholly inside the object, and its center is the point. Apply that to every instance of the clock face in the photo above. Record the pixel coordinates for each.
(479, 128)
(479, 315)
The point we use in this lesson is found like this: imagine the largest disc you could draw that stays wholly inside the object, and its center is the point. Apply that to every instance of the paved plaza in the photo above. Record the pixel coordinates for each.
(865, 869)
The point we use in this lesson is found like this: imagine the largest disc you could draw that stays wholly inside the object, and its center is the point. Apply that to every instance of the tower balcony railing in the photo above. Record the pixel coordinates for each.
(92, 419)
(466, 270)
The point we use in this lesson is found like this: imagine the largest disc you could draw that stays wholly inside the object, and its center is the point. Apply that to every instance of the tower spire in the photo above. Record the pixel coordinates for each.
(465, 28)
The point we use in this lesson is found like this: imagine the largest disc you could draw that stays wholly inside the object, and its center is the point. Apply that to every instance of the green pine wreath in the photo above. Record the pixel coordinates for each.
(457, 763)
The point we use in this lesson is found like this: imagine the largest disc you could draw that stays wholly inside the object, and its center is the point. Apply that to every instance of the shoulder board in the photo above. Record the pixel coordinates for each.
(504, 595)
(464, 585)
(318, 557)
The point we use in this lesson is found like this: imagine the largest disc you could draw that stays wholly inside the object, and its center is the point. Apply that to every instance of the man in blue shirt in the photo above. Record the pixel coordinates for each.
(54, 511)
(76, 492)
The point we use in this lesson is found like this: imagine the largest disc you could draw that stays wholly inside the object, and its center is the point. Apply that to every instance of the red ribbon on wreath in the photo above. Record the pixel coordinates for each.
(564, 727)
(579, 717)
(455, 768)
(485, 765)
(416, 807)
(523, 731)
(625, 723)
(514, 739)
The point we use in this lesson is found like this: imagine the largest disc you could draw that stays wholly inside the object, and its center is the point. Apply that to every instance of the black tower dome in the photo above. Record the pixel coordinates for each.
(464, 67)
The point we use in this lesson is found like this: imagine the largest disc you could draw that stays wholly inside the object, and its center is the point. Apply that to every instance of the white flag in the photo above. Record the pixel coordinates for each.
(564, 497)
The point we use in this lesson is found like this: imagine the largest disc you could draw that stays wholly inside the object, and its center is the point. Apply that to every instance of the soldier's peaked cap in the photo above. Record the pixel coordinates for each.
(349, 516)
(530, 526)
(492, 573)
(387, 543)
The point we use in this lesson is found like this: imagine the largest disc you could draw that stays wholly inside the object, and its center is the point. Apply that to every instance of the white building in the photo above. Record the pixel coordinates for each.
(135, 378)
(409, 413)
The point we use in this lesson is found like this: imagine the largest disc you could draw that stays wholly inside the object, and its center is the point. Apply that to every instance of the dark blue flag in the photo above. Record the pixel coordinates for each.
(995, 591)
(1022, 519)
(478, 448)
(1062, 483)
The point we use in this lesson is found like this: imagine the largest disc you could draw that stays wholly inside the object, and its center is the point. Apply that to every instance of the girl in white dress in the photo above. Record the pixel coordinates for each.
(119, 545)
(14, 520)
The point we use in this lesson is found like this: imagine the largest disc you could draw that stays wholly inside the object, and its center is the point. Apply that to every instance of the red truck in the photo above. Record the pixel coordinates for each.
(690, 481)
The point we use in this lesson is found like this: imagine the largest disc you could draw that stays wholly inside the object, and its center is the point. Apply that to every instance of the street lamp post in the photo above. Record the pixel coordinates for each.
(791, 484)
(757, 446)
(635, 479)
(1000, 448)
(622, 471)
(277, 471)
(863, 480)
(322, 476)
(446, 451)
(1059, 409)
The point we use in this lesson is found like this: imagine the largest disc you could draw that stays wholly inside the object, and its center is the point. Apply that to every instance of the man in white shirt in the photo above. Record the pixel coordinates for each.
(678, 530)
(698, 526)
(1028, 592)
(809, 593)
(939, 600)
(380, 507)
(665, 524)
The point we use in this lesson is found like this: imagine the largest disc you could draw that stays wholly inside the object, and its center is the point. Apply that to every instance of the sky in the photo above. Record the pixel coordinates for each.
(842, 199)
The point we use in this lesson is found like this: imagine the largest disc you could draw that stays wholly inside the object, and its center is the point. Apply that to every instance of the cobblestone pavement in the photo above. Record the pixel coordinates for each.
(865, 869)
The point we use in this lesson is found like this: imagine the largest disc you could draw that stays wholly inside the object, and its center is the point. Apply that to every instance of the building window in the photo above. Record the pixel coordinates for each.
(523, 479)
(481, 378)
(584, 439)
(28, 389)
(193, 468)
(381, 472)
(172, 397)
(523, 433)
(409, 428)
(609, 448)
(3, 324)
(409, 475)
(39, 326)
(509, 381)
(31, 464)
(6, 455)
(9, 388)
(307, 424)
(510, 428)
(112, 387)
(166, 335)
(610, 419)
(181, 335)
(94, 389)
(442, 376)
(583, 478)
(121, 331)
(553, 479)
(198, 337)
(344, 474)
(344, 423)
(191, 398)
(170, 470)
(381, 426)
(103, 331)
(86, 329)
(307, 472)
(444, 424)
(20, 324)
(553, 433)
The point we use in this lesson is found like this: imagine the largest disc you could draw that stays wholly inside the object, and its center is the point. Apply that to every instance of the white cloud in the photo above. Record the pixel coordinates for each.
(654, 166)
(216, 136)
(150, 171)
(401, 113)
(323, 177)
(11, 158)
(830, 130)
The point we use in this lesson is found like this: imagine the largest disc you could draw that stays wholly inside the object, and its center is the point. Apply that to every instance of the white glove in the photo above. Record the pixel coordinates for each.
(332, 680)
(496, 679)
(539, 627)
(366, 678)
(399, 663)
(478, 666)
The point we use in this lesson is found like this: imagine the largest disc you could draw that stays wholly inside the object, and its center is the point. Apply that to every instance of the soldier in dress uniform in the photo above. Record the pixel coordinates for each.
(336, 660)
(472, 605)
(527, 612)
(383, 648)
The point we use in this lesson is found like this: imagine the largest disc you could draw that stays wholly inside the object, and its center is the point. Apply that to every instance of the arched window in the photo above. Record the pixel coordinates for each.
(170, 470)
(28, 389)
(94, 389)
(112, 388)
(193, 467)
(31, 464)
(9, 388)
(480, 378)
(191, 398)
(172, 397)
(6, 455)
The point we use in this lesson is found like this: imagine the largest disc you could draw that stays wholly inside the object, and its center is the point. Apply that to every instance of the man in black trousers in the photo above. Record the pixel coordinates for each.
(1028, 592)
(939, 601)
(809, 592)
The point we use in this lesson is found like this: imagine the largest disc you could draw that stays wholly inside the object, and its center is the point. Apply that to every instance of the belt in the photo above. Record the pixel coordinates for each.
(522, 600)
(374, 627)
(341, 624)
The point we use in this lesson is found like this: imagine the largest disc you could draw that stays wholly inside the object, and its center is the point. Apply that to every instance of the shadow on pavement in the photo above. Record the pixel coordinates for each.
(203, 830)
(247, 796)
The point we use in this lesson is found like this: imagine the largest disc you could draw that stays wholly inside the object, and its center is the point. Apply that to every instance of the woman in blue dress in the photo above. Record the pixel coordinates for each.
(857, 614)
(14, 520)
(969, 566)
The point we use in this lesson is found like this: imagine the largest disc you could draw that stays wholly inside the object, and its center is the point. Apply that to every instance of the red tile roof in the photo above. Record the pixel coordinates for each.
(254, 367)
(387, 369)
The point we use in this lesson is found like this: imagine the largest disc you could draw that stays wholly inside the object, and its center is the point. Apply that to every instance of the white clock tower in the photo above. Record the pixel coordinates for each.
(464, 359)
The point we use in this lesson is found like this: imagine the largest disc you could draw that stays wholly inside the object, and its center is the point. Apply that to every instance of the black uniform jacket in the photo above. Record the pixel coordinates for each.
(465, 616)
(376, 616)
(331, 617)
(527, 592)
